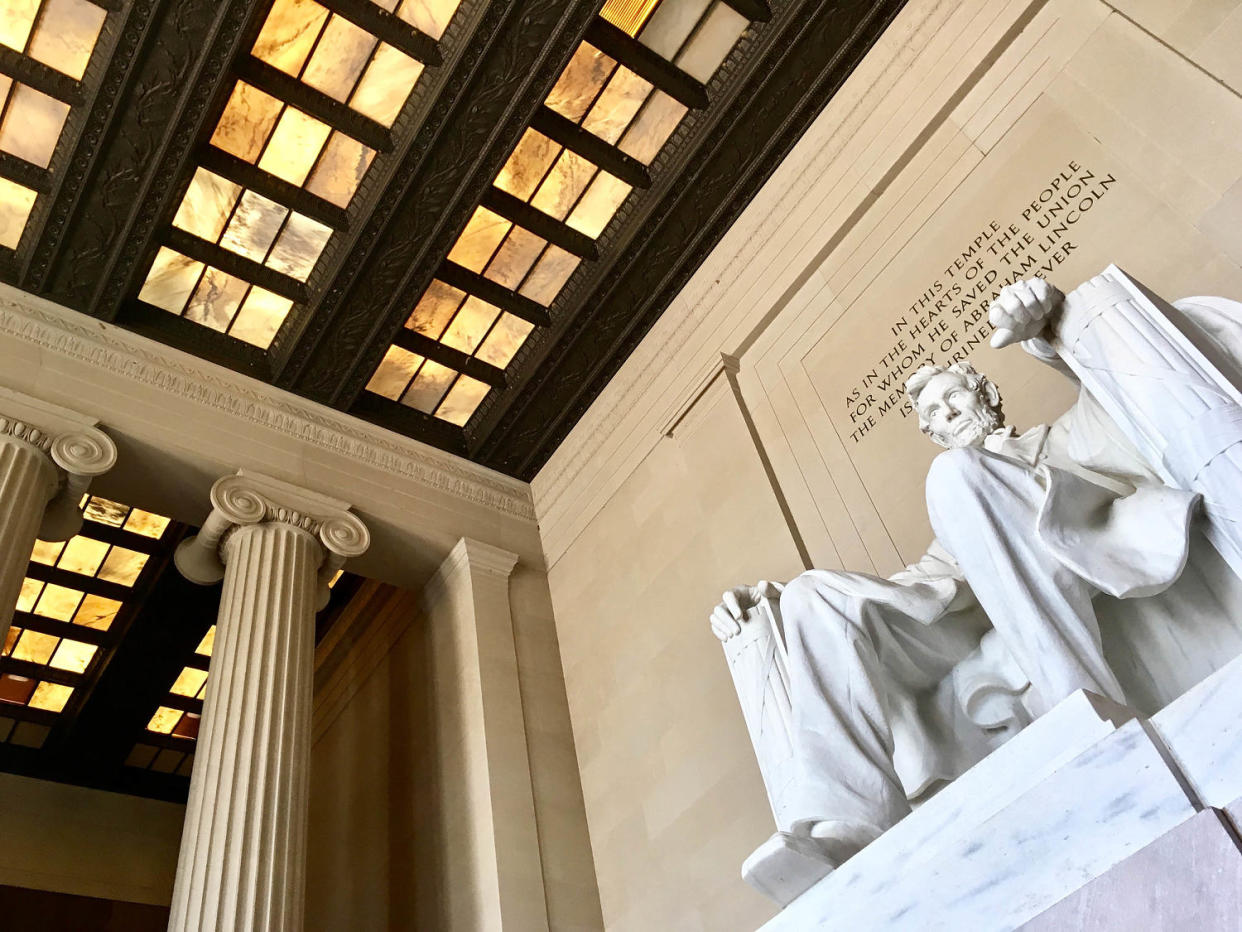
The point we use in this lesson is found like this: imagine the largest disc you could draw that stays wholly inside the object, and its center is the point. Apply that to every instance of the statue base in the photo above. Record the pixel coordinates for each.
(1087, 790)
(785, 866)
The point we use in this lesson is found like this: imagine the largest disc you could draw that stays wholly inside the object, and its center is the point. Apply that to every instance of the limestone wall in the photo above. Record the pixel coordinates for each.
(978, 141)
(404, 824)
(71, 839)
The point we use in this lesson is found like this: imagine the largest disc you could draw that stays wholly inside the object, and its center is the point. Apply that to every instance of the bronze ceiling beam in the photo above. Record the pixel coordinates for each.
(607, 156)
(389, 28)
(241, 172)
(39, 671)
(59, 577)
(757, 11)
(539, 223)
(496, 295)
(647, 64)
(32, 176)
(392, 415)
(315, 102)
(237, 265)
(62, 629)
(195, 338)
(184, 703)
(445, 355)
(39, 76)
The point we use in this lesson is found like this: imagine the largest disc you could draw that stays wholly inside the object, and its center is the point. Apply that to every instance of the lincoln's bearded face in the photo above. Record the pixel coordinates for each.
(957, 407)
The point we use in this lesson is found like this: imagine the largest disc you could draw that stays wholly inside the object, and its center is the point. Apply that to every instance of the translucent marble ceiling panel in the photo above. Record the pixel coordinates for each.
(60, 34)
(77, 585)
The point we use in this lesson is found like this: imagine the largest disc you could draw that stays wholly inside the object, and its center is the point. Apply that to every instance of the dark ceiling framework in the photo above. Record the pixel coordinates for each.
(141, 124)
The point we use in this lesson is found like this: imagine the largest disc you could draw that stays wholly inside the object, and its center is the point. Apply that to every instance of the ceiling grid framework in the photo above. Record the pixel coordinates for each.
(452, 218)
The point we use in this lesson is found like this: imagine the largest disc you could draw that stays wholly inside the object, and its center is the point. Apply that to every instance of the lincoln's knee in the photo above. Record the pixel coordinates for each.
(813, 602)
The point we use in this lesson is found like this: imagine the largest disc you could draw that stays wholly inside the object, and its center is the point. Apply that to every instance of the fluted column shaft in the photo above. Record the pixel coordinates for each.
(48, 456)
(242, 866)
(243, 850)
(28, 480)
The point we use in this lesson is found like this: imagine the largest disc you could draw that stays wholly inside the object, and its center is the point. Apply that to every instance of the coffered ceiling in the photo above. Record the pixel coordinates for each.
(453, 218)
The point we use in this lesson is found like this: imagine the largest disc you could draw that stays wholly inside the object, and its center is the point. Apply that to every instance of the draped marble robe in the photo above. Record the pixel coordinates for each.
(1105, 516)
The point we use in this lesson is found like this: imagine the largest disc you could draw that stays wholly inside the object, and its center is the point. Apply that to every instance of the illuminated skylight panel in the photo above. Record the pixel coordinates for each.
(427, 386)
(251, 225)
(427, 16)
(292, 145)
(207, 643)
(62, 35)
(710, 42)
(615, 104)
(213, 298)
(58, 33)
(169, 721)
(31, 122)
(332, 55)
(513, 257)
(16, 202)
(42, 663)
(190, 683)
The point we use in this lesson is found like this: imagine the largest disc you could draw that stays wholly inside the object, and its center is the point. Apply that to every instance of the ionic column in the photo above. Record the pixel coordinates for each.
(243, 849)
(48, 456)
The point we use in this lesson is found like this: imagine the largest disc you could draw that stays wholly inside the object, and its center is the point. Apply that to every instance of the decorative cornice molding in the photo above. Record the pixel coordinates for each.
(40, 323)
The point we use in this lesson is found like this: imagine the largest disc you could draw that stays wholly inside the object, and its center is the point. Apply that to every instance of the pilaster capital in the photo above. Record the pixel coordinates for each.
(486, 559)
(249, 498)
(75, 448)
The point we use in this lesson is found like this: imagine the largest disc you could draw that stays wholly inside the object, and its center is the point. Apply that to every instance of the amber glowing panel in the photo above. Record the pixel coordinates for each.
(251, 225)
(31, 124)
(337, 57)
(207, 643)
(213, 298)
(461, 401)
(291, 145)
(84, 563)
(190, 683)
(16, 203)
(581, 82)
(58, 33)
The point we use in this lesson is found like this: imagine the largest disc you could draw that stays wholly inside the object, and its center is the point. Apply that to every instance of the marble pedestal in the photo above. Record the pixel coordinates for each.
(1069, 799)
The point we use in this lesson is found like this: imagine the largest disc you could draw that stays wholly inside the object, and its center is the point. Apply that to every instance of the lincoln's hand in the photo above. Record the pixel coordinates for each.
(727, 617)
(1022, 311)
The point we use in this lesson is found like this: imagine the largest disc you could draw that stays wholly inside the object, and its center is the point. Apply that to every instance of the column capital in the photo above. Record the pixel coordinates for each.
(75, 448)
(249, 498)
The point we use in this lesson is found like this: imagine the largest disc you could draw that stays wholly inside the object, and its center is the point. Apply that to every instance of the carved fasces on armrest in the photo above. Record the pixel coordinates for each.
(759, 665)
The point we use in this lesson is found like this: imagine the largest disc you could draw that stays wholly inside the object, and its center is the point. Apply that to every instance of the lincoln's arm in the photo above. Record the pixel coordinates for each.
(1026, 312)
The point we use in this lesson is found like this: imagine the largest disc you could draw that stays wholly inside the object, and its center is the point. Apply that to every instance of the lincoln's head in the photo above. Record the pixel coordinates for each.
(957, 406)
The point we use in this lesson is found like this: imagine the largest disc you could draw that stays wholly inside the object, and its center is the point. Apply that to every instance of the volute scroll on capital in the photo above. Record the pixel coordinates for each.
(248, 499)
(76, 451)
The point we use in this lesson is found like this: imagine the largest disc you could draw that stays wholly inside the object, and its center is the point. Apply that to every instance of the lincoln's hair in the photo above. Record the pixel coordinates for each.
(975, 381)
